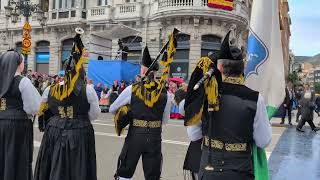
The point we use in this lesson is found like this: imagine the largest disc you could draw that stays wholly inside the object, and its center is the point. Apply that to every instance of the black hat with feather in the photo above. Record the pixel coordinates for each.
(228, 51)
(147, 60)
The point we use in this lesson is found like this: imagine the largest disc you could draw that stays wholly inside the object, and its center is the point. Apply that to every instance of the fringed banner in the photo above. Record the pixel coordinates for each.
(208, 92)
(148, 93)
(221, 4)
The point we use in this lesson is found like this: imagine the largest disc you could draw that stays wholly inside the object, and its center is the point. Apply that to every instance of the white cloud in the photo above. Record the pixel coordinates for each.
(305, 38)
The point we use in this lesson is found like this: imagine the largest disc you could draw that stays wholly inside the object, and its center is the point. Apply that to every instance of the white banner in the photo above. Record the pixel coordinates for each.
(264, 71)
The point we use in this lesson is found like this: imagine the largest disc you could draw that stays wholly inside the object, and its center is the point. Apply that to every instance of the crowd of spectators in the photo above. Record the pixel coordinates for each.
(107, 95)
(42, 81)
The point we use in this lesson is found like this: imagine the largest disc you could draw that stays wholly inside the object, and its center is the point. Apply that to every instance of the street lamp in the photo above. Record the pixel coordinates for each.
(26, 8)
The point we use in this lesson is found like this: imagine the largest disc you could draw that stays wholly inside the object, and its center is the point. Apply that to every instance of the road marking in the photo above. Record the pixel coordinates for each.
(103, 124)
(38, 143)
(163, 140)
(107, 124)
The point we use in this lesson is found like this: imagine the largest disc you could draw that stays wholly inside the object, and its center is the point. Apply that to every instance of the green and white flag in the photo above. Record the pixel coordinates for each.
(264, 70)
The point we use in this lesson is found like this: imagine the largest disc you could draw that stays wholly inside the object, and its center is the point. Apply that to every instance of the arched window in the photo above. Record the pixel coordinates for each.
(135, 48)
(66, 50)
(42, 56)
(209, 43)
(180, 66)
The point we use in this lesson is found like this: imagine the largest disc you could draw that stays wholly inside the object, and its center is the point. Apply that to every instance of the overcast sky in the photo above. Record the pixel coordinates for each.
(305, 28)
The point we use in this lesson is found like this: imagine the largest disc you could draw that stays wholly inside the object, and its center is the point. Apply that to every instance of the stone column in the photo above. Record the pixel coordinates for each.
(55, 53)
(32, 57)
(153, 38)
(78, 5)
(195, 46)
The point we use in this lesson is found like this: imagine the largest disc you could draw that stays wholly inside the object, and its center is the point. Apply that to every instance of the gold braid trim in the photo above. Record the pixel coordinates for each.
(234, 80)
(60, 92)
(124, 110)
(43, 107)
(147, 93)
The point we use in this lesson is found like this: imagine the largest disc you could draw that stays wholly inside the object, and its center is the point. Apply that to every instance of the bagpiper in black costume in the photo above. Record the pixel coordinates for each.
(145, 106)
(18, 100)
(67, 150)
(193, 156)
(232, 117)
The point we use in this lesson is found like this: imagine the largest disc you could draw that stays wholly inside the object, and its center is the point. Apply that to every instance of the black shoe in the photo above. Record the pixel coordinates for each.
(282, 122)
(315, 129)
(290, 123)
(300, 130)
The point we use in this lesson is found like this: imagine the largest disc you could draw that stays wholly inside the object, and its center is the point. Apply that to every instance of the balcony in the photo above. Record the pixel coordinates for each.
(129, 11)
(7, 24)
(102, 13)
(169, 8)
(66, 16)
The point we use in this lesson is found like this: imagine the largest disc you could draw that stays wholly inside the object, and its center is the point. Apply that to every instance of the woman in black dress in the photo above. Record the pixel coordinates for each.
(19, 100)
(67, 150)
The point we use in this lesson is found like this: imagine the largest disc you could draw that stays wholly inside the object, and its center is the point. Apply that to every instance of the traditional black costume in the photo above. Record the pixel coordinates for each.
(145, 106)
(233, 117)
(67, 150)
(18, 100)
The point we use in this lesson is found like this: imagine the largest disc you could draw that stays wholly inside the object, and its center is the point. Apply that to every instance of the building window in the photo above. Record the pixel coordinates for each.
(72, 3)
(209, 43)
(84, 5)
(66, 50)
(60, 4)
(134, 45)
(53, 4)
(180, 67)
(102, 2)
(42, 57)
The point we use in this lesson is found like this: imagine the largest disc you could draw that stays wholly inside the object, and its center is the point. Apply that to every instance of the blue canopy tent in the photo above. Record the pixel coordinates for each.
(106, 72)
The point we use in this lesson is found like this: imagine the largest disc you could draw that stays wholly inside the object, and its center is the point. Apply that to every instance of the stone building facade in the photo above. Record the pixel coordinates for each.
(285, 22)
(202, 28)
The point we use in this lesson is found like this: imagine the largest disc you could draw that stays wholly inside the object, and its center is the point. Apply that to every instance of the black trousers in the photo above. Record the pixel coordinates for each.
(148, 146)
(303, 121)
(298, 114)
(288, 110)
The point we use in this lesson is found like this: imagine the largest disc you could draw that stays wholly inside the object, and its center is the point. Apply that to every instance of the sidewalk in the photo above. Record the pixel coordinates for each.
(297, 155)
(276, 121)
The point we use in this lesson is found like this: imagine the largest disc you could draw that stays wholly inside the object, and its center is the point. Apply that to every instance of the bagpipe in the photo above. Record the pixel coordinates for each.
(148, 90)
(73, 79)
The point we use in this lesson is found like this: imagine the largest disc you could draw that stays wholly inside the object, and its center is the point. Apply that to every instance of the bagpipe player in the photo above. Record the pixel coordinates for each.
(229, 117)
(67, 150)
(145, 106)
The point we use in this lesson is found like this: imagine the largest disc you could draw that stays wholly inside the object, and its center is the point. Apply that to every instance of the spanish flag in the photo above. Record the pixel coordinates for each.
(221, 4)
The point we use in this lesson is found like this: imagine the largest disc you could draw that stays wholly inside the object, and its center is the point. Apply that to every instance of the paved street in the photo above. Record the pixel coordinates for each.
(175, 143)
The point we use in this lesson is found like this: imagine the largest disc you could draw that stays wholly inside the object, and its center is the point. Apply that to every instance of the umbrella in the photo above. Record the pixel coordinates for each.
(177, 80)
